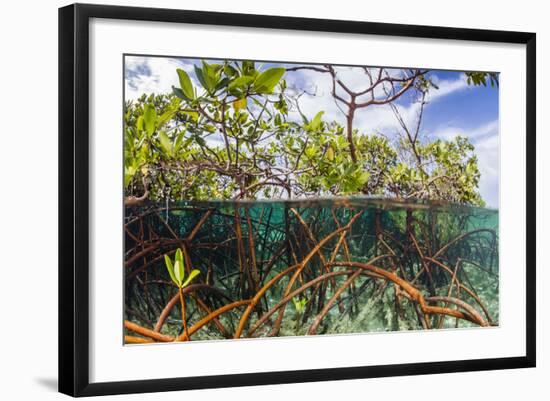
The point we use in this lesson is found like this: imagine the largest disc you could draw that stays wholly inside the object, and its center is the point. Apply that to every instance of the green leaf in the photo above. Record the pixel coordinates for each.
(185, 84)
(201, 78)
(149, 119)
(363, 178)
(248, 68)
(178, 142)
(194, 273)
(222, 83)
(315, 124)
(170, 268)
(178, 273)
(239, 104)
(179, 257)
(230, 71)
(140, 125)
(200, 140)
(127, 179)
(193, 115)
(239, 85)
(179, 93)
(266, 82)
(166, 116)
(330, 154)
(165, 143)
(310, 152)
(129, 173)
(299, 304)
(210, 76)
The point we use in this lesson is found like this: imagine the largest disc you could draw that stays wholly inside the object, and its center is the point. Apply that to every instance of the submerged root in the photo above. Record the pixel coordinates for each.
(248, 275)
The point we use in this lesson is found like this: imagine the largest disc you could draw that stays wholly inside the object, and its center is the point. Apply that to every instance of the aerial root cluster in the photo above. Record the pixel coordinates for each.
(276, 264)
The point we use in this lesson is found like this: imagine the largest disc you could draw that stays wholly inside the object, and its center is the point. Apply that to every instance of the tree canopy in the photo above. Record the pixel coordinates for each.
(232, 136)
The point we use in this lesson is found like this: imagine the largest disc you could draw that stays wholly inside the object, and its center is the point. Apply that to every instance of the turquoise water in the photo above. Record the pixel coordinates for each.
(354, 265)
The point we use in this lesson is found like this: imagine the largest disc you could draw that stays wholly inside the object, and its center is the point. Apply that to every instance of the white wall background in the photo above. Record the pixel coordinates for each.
(28, 188)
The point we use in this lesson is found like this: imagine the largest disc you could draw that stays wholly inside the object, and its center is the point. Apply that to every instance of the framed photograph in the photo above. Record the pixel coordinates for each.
(250, 199)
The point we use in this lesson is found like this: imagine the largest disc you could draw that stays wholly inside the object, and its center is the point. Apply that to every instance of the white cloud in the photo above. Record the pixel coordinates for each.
(475, 134)
(447, 87)
(318, 94)
(381, 118)
(376, 118)
(151, 75)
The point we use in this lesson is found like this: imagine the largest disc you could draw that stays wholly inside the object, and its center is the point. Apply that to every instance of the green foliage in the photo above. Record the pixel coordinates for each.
(149, 119)
(480, 78)
(186, 87)
(299, 304)
(455, 167)
(176, 270)
(231, 137)
(267, 80)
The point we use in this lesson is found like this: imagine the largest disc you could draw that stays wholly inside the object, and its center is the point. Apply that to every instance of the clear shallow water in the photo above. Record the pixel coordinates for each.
(324, 266)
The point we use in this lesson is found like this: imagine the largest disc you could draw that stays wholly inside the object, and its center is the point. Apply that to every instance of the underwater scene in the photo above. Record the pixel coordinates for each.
(290, 268)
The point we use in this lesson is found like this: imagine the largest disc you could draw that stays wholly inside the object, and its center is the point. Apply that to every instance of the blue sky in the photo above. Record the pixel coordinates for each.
(454, 109)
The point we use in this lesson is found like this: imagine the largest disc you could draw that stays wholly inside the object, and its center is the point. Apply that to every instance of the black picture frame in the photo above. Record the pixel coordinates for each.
(74, 198)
